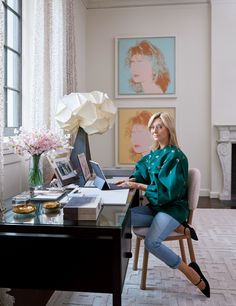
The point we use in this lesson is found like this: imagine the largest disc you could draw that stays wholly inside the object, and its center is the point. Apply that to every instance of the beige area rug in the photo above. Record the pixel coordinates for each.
(215, 253)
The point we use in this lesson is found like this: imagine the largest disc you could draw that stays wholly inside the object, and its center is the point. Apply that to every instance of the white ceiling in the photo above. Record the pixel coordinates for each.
(95, 4)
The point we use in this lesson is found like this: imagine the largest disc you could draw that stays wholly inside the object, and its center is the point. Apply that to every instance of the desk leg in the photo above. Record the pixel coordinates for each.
(116, 299)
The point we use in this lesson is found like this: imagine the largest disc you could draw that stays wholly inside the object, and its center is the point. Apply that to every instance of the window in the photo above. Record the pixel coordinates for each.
(12, 65)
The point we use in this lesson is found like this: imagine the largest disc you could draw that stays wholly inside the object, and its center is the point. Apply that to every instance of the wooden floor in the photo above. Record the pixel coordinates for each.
(206, 202)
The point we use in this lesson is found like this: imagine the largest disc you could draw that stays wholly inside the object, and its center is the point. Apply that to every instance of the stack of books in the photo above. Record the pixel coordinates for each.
(83, 208)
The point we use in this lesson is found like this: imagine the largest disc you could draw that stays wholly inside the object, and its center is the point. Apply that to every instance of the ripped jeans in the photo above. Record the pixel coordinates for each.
(160, 226)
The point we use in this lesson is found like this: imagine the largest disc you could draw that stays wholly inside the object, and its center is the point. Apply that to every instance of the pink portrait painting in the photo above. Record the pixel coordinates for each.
(133, 137)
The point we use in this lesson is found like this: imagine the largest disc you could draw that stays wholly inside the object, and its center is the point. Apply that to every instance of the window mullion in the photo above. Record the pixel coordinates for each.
(12, 66)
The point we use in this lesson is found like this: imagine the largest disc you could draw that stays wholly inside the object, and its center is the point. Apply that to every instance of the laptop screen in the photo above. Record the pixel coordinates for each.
(100, 179)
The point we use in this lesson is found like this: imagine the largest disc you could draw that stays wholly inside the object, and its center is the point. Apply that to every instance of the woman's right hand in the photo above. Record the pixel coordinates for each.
(120, 182)
(125, 181)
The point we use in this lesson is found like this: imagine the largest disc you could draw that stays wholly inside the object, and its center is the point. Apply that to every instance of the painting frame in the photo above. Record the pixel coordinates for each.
(127, 117)
(64, 171)
(84, 166)
(162, 52)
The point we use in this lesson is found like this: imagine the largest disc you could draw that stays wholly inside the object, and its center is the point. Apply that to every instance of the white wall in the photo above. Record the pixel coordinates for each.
(223, 72)
(223, 62)
(15, 174)
(191, 26)
(205, 75)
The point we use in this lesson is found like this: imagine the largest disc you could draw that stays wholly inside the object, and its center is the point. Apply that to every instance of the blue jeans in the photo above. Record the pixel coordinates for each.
(160, 226)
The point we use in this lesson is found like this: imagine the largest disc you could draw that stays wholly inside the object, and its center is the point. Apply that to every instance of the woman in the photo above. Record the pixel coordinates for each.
(149, 73)
(163, 175)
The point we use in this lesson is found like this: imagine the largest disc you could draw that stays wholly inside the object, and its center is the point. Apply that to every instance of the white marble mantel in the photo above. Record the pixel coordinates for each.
(227, 136)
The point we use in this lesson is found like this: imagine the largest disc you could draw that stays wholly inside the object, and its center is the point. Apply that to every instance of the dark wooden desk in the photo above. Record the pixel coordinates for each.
(90, 256)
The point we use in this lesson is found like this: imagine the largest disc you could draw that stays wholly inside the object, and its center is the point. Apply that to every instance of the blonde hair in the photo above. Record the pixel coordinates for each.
(169, 123)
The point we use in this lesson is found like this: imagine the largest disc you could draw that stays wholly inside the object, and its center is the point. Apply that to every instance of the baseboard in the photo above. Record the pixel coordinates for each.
(214, 195)
(210, 194)
(204, 192)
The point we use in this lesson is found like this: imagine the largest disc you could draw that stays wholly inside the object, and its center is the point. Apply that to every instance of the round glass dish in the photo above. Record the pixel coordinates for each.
(24, 209)
(51, 207)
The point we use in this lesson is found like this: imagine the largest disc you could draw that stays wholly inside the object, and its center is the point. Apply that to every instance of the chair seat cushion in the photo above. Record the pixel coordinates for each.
(142, 232)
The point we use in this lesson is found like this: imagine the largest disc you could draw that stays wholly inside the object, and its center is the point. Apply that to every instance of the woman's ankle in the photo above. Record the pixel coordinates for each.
(192, 275)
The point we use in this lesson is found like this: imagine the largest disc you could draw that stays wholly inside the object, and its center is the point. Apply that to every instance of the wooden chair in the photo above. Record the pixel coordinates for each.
(194, 180)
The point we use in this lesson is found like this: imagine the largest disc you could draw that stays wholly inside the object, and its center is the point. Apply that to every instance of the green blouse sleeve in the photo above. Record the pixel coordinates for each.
(141, 173)
(169, 183)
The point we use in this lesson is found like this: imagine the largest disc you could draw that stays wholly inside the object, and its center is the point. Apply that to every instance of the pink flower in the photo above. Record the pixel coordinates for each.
(37, 141)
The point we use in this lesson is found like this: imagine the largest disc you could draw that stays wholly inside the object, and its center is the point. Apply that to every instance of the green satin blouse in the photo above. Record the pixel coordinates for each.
(165, 171)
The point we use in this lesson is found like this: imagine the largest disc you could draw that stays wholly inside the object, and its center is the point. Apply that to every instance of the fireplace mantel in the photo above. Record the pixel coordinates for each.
(227, 136)
(227, 133)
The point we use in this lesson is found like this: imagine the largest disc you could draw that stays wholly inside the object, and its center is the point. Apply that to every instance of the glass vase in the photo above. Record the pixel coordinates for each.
(35, 174)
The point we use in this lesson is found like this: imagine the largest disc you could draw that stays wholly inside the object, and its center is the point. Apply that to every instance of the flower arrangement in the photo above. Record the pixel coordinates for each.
(37, 141)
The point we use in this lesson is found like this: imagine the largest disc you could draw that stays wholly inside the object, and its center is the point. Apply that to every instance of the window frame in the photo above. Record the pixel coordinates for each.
(9, 131)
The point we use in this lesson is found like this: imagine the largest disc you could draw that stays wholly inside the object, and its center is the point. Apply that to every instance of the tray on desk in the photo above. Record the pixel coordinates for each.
(47, 195)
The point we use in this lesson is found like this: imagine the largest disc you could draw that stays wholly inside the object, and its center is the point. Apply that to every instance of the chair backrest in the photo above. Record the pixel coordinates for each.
(194, 182)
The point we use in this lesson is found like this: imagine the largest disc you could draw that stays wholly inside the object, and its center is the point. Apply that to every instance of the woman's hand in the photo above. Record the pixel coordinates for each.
(131, 184)
(120, 182)
(128, 184)
(125, 181)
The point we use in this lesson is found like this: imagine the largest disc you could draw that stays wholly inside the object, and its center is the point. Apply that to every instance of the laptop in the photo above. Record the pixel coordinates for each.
(100, 180)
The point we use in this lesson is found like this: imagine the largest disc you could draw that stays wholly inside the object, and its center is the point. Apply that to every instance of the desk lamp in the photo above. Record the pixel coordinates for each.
(83, 114)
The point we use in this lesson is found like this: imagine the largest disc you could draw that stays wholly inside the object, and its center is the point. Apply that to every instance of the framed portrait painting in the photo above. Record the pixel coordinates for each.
(133, 139)
(145, 67)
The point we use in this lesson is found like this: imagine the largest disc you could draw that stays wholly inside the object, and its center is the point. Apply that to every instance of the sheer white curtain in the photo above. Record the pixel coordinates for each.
(45, 79)
(70, 82)
(51, 63)
(51, 60)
